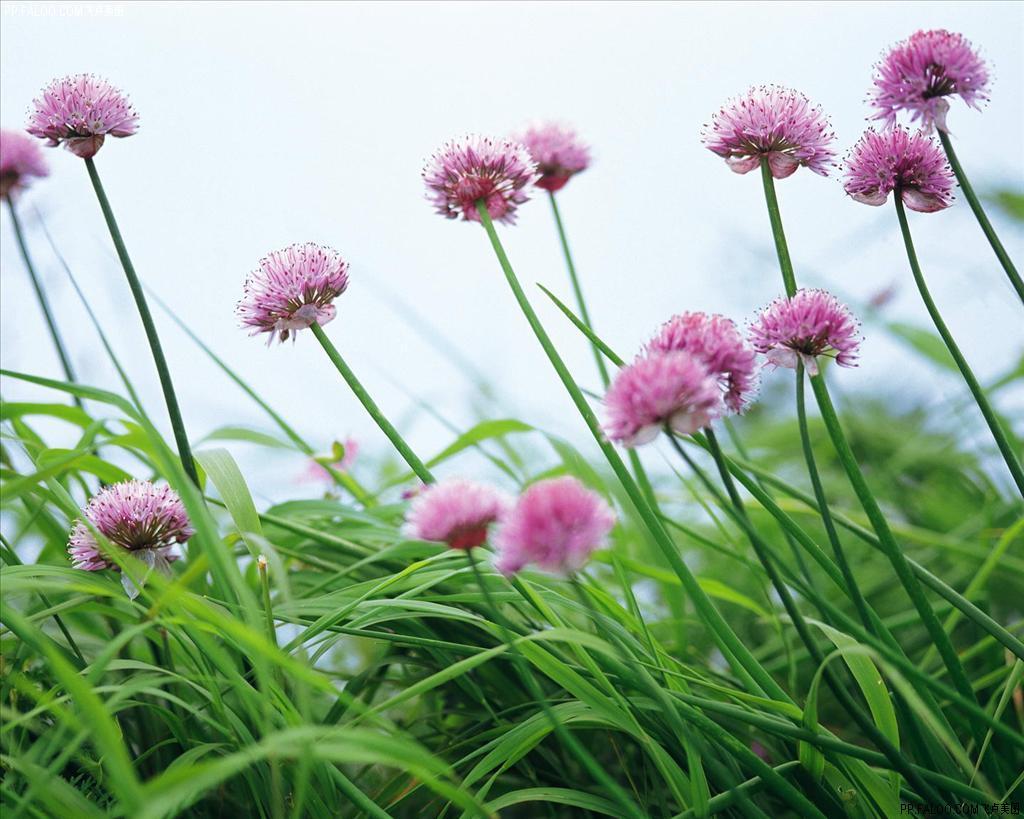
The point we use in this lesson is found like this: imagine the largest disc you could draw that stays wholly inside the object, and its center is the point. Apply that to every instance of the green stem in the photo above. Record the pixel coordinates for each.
(576, 289)
(177, 425)
(775, 217)
(979, 214)
(415, 464)
(585, 758)
(891, 549)
(44, 304)
(972, 383)
(743, 662)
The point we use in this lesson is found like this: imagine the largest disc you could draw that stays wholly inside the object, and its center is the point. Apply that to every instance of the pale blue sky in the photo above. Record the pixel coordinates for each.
(267, 124)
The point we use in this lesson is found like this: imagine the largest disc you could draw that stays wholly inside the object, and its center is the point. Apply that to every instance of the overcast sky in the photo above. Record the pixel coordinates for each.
(263, 125)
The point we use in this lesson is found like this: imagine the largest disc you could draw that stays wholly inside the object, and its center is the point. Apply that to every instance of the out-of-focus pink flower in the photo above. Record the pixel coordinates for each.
(558, 152)
(555, 524)
(717, 342)
(466, 170)
(913, 165)
(315, 471)
(812, 323)
(773, 122)
(20, 160)
(456, 512)
(292, 289)
(919, 73)
(80, 111)
(673, 389)
(137, 516)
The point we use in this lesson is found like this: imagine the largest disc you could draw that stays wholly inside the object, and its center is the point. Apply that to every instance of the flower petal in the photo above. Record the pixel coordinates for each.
(782, 165)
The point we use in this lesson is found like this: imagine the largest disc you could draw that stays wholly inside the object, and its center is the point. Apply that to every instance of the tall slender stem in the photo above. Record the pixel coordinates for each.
(371, 407)
(44, 303)
(981, 216)
(740, 658)
(170, 398)
(585, 758)
(972, 383)
(775, 217)
(576, 289)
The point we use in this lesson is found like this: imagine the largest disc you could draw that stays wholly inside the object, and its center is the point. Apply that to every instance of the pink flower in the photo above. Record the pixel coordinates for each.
(556, 524)
(558, 152)
(775, 122)
(292, 289)
(456, 512)
(673, 389)
(717, 342)
(913, 165)
(80, 111)
(810, 324)
(472, 168)
(137, 516)
(20, 160)
(917, 75)
(316, 472)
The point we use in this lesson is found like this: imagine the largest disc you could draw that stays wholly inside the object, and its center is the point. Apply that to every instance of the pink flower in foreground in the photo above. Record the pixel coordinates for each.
(80, 111)
(917, 75)
(137, 516)
(912, 165)
(773, 122)
(466, 170)
(673, 389)
(315, 471)
(717, 342)
(558, 152)
(456, 512)
(292, 289)
(20, 160)
(810, 324)
(556, 524)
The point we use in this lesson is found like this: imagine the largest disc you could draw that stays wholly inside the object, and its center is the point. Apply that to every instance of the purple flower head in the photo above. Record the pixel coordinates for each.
(456, 512)
(558, 152)
(80, 111)
(717, 342)
(774, 122)
(673, 389)
(912, 165)
(315, 471)
(466, 170)
(137, 516)
(20, 160)
(918, 74)
(292, 289)
(556, 524)
(810, 324)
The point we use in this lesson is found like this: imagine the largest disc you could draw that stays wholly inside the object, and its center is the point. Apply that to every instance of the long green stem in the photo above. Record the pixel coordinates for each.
(177, 425)
(778, 234)
(980, 215)
(742, 661)
(585, 758)
(415, 464)
(576, 289)
(44, 303)
(972, 383)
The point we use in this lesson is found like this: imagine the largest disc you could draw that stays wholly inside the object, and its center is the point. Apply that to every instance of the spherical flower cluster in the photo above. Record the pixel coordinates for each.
(137, 516)
(673, 389)
(474, 168)
(456, 512)
(773, 122)
(20, 160)
(918, 74)
(80, 111)
(556, 524)
(292, 289)
(315, 471)
(810, 324)
(718, 343)
(912, 165)
(558, 152)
